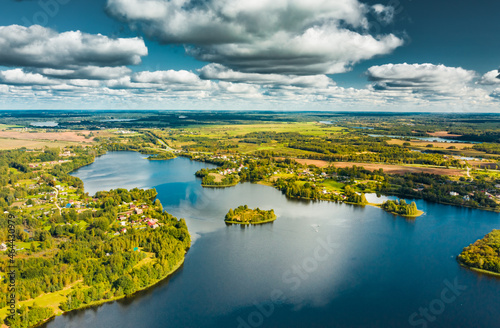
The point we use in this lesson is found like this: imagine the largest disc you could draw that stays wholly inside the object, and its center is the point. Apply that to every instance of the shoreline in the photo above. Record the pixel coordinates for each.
(219, 186)
(100, 302)
(249, 223)
(477, 270)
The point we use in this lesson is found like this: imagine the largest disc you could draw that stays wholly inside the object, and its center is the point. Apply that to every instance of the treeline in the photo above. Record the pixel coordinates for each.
(30, 316)
(374, 150)
(488, 148)
(294, 189)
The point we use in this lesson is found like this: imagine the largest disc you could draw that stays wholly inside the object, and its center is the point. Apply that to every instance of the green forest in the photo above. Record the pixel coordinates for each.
(401, 208)
(484, 254)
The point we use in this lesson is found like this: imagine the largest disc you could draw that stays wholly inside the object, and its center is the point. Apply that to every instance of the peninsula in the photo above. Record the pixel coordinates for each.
(483, 255)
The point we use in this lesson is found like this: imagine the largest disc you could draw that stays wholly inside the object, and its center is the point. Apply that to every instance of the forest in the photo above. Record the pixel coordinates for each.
(484, 254)
(107, 265)
(85, 248)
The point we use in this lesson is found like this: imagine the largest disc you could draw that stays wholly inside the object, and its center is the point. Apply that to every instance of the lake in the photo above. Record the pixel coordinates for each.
(320, 264)
(48, 124)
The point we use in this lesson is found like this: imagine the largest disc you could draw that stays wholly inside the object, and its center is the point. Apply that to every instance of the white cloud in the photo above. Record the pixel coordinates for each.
(384, 14)
(19, 77)
(299, 37)
(166, 77)
(222, 73)
(420, 78)
(89, 72)
(37, 46)
(490, 78)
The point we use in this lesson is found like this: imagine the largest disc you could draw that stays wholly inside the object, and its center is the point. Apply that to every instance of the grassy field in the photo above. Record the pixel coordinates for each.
(51, 300)
(308, 128)
(435, 145)
(148, 259)
(333, 185)
(9, 126)
(217, 177)
(6, 143)
(388, 168)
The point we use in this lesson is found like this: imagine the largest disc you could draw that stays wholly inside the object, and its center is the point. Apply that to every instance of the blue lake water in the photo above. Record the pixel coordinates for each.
(319, 264)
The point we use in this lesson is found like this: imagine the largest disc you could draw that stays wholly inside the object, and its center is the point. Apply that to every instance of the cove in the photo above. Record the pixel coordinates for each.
(320, 264)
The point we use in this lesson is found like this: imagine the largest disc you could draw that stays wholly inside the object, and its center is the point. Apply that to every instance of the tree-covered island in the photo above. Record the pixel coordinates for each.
(244, 215)
(483, 255)
(402, 208)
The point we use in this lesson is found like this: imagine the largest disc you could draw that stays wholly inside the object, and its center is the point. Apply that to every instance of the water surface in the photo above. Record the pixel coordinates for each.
(376, 269)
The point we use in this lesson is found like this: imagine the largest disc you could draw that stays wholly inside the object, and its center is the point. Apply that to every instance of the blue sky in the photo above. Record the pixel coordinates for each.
(396, 55)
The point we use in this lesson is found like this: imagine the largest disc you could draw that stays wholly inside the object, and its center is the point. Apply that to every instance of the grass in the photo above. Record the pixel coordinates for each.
(27, 245)
(51, 300)
(148, 259)
(480, 270)
(6, 143)
(310, 128)
(333, 185)
(217, 177)
(10, 126)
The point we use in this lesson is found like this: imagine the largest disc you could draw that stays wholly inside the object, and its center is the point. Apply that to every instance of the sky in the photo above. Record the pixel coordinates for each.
(335, 55)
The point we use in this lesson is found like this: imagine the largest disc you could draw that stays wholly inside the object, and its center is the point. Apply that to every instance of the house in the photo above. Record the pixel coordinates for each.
(466, 198)
(122, 217)
(123, 223)
(132, 206)
(138, 210)
(124, 230)
(136, 249)
(3, 247)
(152, 223)
(68, 205)
(453, 193)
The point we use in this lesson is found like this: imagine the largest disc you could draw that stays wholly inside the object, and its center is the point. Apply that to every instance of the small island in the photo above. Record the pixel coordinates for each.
(401, 208)
(244, 215)
(483, 255)
(215, 179)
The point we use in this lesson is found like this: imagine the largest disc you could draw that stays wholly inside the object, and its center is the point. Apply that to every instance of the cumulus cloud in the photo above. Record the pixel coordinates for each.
(420, 78)
(89, 73)
(19, 77)
(166, 77)
(172, 80)
(293, 37)
(490, 78)
(222, 73)
(41, 47)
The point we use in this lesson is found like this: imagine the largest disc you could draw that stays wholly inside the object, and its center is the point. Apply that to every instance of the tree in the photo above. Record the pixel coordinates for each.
(33, 247)
(363, 199)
